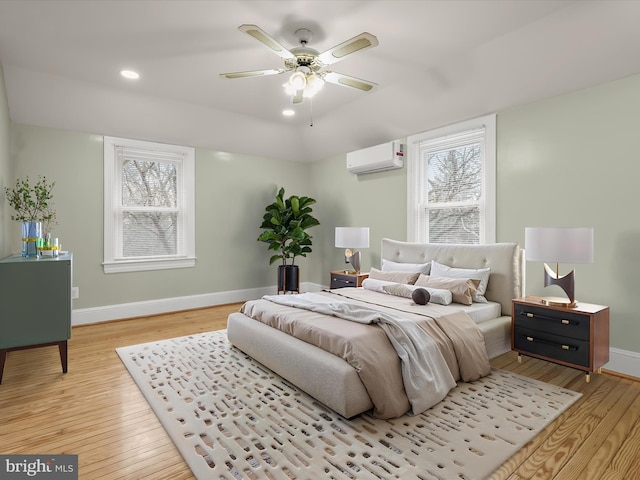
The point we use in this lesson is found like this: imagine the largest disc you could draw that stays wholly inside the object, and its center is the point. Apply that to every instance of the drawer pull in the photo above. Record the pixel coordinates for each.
(562, 346)
(563, 321)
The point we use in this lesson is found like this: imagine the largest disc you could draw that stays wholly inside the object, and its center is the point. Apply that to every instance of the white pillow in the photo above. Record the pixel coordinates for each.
(438, 295)
(389, 266)
(482, 274)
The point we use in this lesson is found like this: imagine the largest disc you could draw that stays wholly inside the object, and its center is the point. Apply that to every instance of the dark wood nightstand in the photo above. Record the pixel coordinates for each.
(575, 337)
(344, 278)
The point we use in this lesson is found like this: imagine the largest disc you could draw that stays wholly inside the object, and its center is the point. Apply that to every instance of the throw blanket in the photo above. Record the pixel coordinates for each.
(426, 376)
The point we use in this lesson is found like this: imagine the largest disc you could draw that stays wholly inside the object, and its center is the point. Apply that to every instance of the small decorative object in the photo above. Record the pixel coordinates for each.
(559, 245)
(32, 203)
(421, 296)
(350, 238)
(47, 246)
(285, 223)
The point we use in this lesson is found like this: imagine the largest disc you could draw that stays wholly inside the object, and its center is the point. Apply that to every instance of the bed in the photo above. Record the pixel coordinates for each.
(335, 382)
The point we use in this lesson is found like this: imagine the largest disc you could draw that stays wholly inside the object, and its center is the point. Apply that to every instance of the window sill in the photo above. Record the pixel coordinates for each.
(144, 265)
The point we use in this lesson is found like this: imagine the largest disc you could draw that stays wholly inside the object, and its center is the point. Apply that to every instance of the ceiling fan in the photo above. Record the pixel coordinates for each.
(306, 64)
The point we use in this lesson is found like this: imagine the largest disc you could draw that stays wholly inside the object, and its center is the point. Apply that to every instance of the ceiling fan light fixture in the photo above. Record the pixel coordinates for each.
(314, 85)
(298, 81)
(289, 90)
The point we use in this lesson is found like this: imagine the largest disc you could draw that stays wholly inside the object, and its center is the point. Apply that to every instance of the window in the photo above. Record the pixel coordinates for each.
(451, 184)
(149, 206)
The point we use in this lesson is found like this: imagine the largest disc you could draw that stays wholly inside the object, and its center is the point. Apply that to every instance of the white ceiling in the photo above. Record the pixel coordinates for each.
(438, 62)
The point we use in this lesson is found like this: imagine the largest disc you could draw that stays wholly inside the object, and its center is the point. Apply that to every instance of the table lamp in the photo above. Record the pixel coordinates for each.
(559, 245)
(350, 238)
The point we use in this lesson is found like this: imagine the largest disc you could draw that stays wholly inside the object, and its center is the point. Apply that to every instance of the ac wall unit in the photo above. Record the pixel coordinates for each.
(388, 156)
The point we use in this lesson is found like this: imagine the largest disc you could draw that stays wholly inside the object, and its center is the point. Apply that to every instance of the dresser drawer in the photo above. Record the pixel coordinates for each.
(564, 349)
(566, 324)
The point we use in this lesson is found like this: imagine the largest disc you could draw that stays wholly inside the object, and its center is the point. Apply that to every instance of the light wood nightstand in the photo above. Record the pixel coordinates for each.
(575, 337)
(345, 278)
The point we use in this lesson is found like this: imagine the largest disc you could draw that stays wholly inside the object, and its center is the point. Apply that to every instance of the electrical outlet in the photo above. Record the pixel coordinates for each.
(75, 292)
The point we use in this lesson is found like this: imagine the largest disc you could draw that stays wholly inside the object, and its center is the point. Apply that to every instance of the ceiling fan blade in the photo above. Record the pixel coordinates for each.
(356, 44)
(347, 81)
(263, 37)
(297, 98)
(253, 73)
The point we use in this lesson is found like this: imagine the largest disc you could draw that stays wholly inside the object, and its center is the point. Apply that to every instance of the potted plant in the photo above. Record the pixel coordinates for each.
(32, 205)
(285, 225)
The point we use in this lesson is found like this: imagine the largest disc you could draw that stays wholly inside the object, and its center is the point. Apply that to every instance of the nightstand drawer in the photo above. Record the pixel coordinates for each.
(566, 324)
(564, 349)
(340, 281)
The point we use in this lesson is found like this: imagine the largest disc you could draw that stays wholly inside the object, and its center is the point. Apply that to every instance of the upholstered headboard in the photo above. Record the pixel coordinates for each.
(504, 259)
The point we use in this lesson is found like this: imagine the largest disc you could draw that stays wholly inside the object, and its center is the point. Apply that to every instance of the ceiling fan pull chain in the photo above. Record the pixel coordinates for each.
(311, 111)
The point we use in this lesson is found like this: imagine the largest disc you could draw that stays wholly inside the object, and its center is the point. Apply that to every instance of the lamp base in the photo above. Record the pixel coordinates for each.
(559, 302)
(565, 282)
(353, 258)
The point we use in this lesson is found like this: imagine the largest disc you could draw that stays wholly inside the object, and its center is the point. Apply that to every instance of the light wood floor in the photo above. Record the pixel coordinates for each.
(97, 412)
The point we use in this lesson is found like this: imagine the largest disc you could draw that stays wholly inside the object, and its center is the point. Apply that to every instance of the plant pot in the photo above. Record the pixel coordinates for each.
(288, 278)
(31, 232)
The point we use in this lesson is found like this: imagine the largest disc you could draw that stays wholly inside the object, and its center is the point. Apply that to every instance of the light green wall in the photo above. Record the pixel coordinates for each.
(231, 193)
(573, 160)
(6, 174)
(377, 201)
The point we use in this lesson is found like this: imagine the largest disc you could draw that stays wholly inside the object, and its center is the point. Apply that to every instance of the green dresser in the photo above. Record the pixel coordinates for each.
(35, 304)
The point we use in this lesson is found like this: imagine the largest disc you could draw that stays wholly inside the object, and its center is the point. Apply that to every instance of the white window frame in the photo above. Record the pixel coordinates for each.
(416, 212)
(185, 157)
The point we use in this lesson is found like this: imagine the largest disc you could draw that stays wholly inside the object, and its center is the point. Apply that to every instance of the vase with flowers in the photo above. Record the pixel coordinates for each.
(33, 207)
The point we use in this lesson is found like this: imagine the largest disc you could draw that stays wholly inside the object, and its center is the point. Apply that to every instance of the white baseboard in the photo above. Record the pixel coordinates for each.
(624, 362)
(85, 316)
(620, 361)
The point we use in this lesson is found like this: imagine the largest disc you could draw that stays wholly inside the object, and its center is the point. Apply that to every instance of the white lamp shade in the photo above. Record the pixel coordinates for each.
(352, 237)
(559, 244)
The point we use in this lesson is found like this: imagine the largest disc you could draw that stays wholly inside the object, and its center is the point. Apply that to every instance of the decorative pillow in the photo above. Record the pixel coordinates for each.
(462, 289)
(398, 289)
(389, 266)
(396, 277)
(482, 274)
(421, 296)
(438, 295)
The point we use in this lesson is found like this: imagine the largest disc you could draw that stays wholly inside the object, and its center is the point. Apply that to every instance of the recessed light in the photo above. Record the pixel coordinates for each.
(130, 74)
(288, 113)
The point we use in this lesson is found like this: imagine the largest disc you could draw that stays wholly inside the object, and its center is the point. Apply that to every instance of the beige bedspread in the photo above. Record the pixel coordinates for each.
(367, 348)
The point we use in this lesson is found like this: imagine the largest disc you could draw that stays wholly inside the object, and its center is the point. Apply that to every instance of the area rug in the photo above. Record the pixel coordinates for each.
(232, 418)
